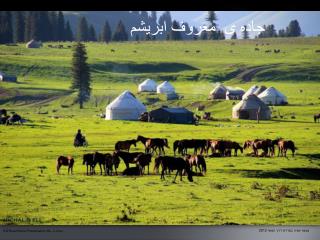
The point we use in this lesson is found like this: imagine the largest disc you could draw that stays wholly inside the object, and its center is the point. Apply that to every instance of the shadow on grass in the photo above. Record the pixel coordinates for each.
(130, 67)
(312, 156)
(283, 173)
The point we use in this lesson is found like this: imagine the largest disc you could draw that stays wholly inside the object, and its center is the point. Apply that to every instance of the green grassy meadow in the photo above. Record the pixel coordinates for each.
(241, 190)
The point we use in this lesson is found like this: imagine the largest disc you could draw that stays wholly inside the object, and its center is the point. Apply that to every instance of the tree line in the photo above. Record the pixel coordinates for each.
(22, 26)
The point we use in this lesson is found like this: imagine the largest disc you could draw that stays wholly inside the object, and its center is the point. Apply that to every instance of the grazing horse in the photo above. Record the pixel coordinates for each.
(3, 112)
(195, 144)
(229, 145)
(4, 119)
(153, 144)
(14, 118)
(65, 161)
(143, 160)
(316, 117)
(99, 158)
(284, 146)
(125, 145)
(173, 163)
(143, 140)
(257, 144)
(88, 160)
(217, 145)
(126, 156)
(198, 161)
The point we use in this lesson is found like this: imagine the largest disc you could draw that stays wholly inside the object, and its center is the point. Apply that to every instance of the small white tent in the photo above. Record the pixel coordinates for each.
(34, 44)
(272, 96)
(250, 91)
(148, 85)
(166, 88)
(125, 107)
(219, 92)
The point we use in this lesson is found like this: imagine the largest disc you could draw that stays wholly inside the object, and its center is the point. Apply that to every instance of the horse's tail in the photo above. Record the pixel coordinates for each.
(204, 166)
(189, 172)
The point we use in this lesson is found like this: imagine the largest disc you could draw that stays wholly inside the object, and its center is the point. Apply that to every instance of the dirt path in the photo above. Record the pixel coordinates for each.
(248, 74)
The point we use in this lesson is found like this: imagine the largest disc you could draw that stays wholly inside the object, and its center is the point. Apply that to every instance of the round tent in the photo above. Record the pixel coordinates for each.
(125, 107)
(250, 91)
(147, 85)
(219, 92)
(249, 107)
(272, 96)
(234, 93)
(33, 44)
(166, 88)
(259, 90)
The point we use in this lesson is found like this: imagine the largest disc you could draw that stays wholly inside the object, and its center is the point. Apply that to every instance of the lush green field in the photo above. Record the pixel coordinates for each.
(243, 190)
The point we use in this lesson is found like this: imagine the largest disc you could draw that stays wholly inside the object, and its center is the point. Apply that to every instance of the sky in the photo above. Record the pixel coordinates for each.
(309, 20)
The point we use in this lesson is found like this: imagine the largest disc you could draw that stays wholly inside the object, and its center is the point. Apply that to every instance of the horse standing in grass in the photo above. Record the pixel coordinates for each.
(258, 144)
(316, 117)
(125, 145)
(65, 161)
(88, 160)
(197, 161)
(143, 160)
(233, 145)
(173, 163)
(143, 140)
(126, 157)
(153, 144)
(284, 146)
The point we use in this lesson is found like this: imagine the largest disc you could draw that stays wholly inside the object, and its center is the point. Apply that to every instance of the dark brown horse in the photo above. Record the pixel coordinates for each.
(125, 145)
(229, 145)
(284, 146)
(258, 144)
(153, 144)
(127, 157)
(316, 117)
(88, 160)
(195, 144)
(65, 161)
(143, 160)
(143, 140)
(173, 163)
(197, 161)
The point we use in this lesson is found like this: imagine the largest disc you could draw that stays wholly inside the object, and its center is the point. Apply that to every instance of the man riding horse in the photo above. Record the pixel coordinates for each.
(79, 139)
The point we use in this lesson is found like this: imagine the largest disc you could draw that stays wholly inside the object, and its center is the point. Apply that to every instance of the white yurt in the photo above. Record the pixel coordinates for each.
(219, 92)
(147, 85)
(250, 91)
(166, 88)
(34, 44)
(272, 96)
(250, 107)
(125, 107)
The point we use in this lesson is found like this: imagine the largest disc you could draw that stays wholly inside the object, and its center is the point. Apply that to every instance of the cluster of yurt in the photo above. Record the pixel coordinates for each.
(224, 92)
(269, 96)
(127, 107)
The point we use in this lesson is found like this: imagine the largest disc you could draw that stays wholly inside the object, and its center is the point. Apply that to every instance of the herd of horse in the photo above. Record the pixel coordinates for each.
(9, 120)
(183, 164)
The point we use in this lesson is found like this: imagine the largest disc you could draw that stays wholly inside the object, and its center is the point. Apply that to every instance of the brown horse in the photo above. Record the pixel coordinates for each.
(125, 145)
(143, 140)
(258, 144)
(143, 160)
(88, 160)
(195, 144)
(229, 145)
(152, 144)
(127, 157)
(173, 163)
(65, 161)
(217, 145)
(316, 117)
(197, 161)
(284, 146)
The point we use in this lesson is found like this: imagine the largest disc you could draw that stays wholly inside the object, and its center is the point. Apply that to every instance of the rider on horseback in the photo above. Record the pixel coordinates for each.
(79, 139)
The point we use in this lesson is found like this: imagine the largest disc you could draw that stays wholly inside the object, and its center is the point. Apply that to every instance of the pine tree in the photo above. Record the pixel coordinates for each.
(120, 33)
(53, 18)
(6, 32)
(19, 24)
(83, 30)
(245, 34)
(282, 33)
(34, 26)
(211, 18)
(81, 74)
(92, 34)
(68, 32)
(234, 36)
(204, 35)
(293, 30)
(147, 38)
(106, 33)
(174, 35)
(60, 27)
(43, 24)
